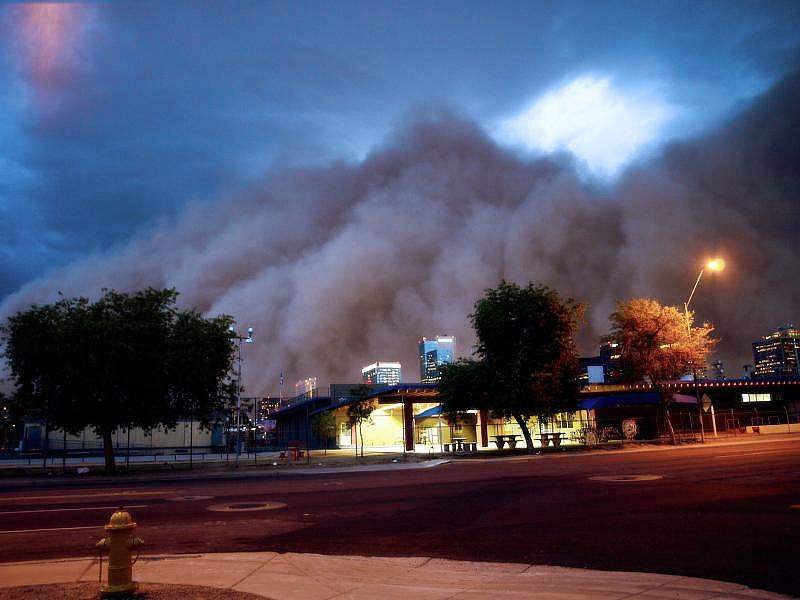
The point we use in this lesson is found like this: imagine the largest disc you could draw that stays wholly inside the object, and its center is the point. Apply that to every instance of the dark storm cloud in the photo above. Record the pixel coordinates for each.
(119, 114)
(337, 267)
(129, 131)
(736, 193)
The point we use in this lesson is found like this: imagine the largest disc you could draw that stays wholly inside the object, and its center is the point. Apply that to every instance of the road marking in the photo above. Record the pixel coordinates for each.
(188, 498)
(44, 510)
(97, 495)
(52, 529)
(245, 506)
(626, 478)
(750, 453)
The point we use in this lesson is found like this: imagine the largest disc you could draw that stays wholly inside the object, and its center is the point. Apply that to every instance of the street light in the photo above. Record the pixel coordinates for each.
(246, 339)
(714, 265)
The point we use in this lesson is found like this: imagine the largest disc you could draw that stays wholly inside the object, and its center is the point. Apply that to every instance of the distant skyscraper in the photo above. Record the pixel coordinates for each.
(606, 368)
(266, 406)
(611, 359)
(432, 354)
(776, 354)
(388, 373)
(306, 386)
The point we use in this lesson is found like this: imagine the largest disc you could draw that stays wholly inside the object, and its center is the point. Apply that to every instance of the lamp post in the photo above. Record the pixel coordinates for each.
(248, 339)
(715, 264)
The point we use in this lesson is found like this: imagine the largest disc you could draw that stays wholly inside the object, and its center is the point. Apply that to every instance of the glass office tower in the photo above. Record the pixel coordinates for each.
(433, 353)
(388, 373)
(776, 354)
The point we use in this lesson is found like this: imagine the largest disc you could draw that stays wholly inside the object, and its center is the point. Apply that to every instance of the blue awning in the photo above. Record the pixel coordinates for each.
(638, 399)
(431, 412)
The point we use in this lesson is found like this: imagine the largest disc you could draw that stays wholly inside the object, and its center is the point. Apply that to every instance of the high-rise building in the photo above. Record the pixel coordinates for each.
(433, 353)
(388, 373)
(606, 368)
(776, 354)
(611, 359)
(266, 406)
(306, 386)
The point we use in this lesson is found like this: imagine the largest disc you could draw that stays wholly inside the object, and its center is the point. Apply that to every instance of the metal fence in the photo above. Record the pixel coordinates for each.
(579, 429)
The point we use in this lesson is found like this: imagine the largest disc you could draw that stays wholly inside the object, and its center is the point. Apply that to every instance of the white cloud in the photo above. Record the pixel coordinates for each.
(601, 125)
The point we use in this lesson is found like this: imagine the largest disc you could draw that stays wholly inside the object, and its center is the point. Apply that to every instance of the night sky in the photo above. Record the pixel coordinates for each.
(346, 177)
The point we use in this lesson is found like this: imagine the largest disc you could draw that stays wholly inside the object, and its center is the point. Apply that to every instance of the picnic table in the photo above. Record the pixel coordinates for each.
(458, 443)
(555, 436)
(502, 440)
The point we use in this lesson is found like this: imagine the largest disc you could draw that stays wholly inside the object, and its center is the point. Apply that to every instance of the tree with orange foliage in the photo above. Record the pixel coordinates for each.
(659, 343)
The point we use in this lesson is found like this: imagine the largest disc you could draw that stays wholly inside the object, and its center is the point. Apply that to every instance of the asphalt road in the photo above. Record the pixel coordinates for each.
(727, 512)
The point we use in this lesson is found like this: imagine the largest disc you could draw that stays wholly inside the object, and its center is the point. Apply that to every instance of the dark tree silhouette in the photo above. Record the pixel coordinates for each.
(125, 360)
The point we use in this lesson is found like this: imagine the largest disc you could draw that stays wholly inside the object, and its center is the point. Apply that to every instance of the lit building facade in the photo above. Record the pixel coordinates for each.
(776, 354)
(433, 353)
(266, 406)
(605, 368)
(386, 373)
(306, 386)
(611, 358)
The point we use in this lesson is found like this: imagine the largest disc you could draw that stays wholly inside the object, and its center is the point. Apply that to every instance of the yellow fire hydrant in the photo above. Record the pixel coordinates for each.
(120, 545)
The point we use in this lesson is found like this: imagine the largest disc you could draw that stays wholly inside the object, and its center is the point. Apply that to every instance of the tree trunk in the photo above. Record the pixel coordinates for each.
(523, 425)
(671, 429)
(361, 435)
(666, 399)
(108, 452)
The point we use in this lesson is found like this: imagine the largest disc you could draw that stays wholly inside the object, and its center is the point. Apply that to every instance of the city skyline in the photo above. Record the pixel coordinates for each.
(779, 351)
(345, 179)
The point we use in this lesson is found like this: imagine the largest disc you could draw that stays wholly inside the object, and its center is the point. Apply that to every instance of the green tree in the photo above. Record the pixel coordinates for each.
(359, 409)
(527, 362)
(464, 385)
(200, 356)
(324, 427)
(658, 343)
(126, 360)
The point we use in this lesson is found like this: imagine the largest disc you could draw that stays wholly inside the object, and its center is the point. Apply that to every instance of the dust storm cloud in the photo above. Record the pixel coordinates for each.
(340, 266)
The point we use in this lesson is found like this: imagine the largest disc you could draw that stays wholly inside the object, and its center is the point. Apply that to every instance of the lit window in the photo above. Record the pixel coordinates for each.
(756, 397)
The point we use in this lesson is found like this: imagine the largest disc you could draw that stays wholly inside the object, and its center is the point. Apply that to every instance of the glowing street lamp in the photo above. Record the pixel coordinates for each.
(714, 265)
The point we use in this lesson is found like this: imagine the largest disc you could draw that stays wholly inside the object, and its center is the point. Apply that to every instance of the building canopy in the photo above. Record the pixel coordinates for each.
(640, 399)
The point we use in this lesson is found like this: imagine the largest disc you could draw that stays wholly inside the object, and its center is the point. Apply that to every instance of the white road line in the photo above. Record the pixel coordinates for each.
(44, 510)
(90, 495)
(99, 527)
(749, 453)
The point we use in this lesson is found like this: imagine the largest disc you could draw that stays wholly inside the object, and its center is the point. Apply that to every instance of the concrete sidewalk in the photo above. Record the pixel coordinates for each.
(318, 577)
